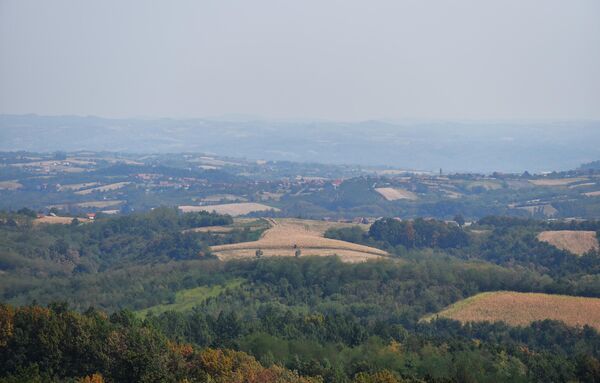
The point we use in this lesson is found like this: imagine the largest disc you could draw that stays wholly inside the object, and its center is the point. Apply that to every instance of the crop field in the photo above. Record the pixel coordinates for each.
(212, 229)
(547, 209)
(586, 184)
(393, 194)
(185, 300)
(486, 185)
(72, 187)
(519, 309)
(223, 197)
(238, 224)
(288, 235)
(233, 209)
(103, 188)
(576, 242)
(53, 220)
(10, 185)
(89, 204)
(558, 181)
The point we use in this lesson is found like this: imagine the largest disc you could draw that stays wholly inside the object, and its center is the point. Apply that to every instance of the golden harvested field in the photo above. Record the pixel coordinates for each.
(238, 224)
(485, 184)
(57, 166)
(100, 204)
(287, 235)
(557, 181)
(233, 209)
(266, 196)
(211, 229)
(519, 309)
(548, 210)
(77, 186)
(582, 185)
(79, 161)
(89, 204)
(393, 194)
(103, 188)
(10, 185)
(223, 197)
(54, 220)
(577, 242)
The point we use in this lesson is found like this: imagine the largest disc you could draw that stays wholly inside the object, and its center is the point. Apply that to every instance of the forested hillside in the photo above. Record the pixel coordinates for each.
(140, 298)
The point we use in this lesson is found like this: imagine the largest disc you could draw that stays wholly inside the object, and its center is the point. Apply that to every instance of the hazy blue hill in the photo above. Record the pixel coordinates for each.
(420, 145)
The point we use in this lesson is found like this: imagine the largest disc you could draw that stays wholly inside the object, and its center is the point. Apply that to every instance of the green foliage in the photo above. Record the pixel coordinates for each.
(46, 344)
(340, 321)
(187, 299)
(418, 233)
(317, 316)
(353, 234)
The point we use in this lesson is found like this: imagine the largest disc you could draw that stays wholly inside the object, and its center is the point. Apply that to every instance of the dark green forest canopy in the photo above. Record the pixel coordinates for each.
(317, 316)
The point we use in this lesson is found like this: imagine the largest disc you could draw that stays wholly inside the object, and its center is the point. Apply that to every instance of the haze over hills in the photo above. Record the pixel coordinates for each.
(475, 146)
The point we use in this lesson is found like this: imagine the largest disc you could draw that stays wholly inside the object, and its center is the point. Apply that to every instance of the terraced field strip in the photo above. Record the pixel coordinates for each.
(10, 185)
(103, 188)
(54, 220)
(576, 242)
(557, 181)
(286, 236)
(233, 209)
(89, 204)
(239, 224)
(393, 194)
(520, 309)
(70, 187)
(186, 300)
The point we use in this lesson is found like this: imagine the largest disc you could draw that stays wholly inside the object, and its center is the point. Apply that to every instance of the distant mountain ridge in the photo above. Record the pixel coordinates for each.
(476, 146)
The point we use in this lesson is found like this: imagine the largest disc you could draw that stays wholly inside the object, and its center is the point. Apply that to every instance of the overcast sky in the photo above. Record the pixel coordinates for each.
(338, 60)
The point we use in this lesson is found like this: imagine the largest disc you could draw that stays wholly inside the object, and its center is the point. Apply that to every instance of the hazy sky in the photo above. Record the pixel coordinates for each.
(341, 60)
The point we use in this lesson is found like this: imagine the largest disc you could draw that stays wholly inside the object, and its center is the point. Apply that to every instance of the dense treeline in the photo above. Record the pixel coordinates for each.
(322, 318)
(513, 241)
(418, 233)
(299, 317)
(160, 235)
(52, 344)
(505, 222)
(389, 233)
(507, 241)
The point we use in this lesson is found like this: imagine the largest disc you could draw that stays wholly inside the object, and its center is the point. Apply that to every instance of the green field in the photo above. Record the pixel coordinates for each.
(185, 300)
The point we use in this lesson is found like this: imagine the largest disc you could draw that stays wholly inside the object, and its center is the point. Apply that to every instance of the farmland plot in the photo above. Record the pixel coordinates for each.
(285, 237)
(233, 209)
(103, 188)
(576, 242)
(520, 309)
(393, 194)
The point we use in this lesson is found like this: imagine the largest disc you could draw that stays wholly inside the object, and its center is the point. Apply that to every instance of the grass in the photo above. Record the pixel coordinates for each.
(288, 235)
(186, 300)
(233, 209)
(457, 307)
(520, 309)
(576, 242)
(393, 194)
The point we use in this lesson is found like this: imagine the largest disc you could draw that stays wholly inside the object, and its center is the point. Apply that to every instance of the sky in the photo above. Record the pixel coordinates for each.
(346, 60)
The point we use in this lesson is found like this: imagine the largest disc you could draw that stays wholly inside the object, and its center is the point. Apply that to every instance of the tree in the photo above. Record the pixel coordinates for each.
(377, 377)
(459, 219)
